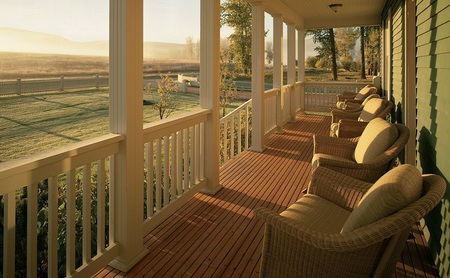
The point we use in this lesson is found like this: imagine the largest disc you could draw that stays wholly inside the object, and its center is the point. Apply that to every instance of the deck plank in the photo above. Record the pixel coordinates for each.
(217, 236)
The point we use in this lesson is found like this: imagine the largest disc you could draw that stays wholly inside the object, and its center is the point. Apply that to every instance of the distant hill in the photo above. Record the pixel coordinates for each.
(16, 40)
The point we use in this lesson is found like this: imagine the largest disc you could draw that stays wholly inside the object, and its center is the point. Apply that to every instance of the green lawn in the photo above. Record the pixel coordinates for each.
(36, 122)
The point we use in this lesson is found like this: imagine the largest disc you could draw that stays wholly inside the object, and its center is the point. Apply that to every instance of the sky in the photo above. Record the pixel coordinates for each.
(87, 20)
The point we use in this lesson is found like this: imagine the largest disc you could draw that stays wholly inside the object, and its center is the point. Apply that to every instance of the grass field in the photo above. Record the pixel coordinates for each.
(36, 122)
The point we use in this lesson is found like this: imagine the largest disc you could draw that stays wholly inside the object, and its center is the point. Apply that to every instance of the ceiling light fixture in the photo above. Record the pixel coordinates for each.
(335, 7)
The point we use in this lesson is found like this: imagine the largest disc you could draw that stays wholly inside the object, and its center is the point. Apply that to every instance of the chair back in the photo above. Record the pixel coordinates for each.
(365, 92)
(393, 231)
(375, 107)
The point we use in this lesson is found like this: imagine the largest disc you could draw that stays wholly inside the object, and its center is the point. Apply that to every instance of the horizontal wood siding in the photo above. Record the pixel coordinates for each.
(433, 114)
(398, 60)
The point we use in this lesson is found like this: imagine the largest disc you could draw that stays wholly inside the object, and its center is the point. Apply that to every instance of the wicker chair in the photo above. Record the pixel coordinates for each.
(308, 239)
(355, 97)
(353, 106)
(349, 124)
(366, 157)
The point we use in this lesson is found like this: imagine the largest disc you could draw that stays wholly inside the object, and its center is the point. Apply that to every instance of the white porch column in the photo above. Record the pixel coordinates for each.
(278, 67)
(301, 66)
(126, 117)
(291, 68)
(209, 88)
(258, 112)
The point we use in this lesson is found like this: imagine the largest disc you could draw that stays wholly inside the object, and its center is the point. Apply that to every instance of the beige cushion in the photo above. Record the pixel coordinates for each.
(369, 98)
(395, 190)
(317, 214)
(377, 137)
(364, 92)
(372, 108)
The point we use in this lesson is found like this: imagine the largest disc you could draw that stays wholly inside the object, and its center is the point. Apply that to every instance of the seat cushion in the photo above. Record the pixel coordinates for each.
(317, 214)
(377, 137)
(372, 108)
(395, 190)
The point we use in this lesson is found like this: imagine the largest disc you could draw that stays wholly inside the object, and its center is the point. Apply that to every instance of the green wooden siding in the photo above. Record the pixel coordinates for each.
(397, 60)
(433, 115)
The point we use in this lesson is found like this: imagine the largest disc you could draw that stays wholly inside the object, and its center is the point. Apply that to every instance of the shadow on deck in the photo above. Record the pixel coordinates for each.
(217, 236)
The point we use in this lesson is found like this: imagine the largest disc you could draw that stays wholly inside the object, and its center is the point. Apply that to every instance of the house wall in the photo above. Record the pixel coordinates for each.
(433, 115)
(432, 104)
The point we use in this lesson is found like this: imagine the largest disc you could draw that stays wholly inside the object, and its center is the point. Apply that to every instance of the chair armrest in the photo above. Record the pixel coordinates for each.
(359, 101)
(338, 188)
(341, 147)
(345, 95)
(350, 128)
(337, 114)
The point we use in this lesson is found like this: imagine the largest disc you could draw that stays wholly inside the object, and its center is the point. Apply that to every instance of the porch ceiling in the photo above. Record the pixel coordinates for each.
(310, 14)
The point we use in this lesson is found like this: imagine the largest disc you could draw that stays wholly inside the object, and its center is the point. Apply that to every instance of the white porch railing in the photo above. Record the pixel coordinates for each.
(270, 102)
(174, 164)
(321, 96)
(235, 132)
(286, 92)
(64, 190)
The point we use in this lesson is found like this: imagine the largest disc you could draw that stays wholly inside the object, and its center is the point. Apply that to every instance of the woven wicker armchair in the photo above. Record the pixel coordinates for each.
(307, 240)
(366, 157)
(355, 97)
(349, 124)
(355, 106)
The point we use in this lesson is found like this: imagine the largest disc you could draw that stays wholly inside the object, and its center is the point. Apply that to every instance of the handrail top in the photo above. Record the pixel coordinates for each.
(271, 92)
(242, 106)
(176, 119)
(50, 156)
(336, 83)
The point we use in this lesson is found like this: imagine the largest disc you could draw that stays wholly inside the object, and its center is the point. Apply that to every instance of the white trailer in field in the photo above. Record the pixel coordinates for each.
(192, 80)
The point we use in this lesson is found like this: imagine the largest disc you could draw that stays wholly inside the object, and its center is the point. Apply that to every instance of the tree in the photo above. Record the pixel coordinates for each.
(363, 58)
(190, 53)
(372, 49)
(326, 48)
(237, 14)
(345, 44)
(227, 85)
(167, 102)
(269, 52)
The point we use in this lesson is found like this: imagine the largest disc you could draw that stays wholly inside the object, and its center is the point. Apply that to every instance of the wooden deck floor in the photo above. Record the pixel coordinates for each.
(217, 236)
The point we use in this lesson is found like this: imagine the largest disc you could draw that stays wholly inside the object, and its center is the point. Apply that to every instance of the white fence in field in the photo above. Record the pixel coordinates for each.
(52, 84)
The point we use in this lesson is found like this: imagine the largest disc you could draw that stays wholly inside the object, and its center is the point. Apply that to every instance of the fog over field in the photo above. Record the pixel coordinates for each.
(17, 40)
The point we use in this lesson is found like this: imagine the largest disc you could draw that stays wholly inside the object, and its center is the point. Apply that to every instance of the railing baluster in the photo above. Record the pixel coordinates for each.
(232, 132)
(32, 205)
(166, 172)
(101, 205)
(173, 166)
(149, 165)
(202, 150)
(112, 199)
(179, 162)
(186, 160)
(87, 212)
(239, 135)
(70, 225)
(197, 153)
(158, 174)
(192, 157)
(9, 234)
(246, 127)
(53, 226)
(225, 141)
